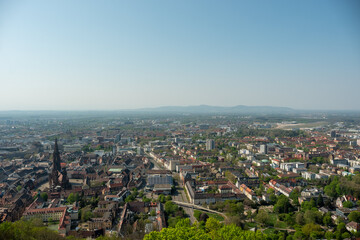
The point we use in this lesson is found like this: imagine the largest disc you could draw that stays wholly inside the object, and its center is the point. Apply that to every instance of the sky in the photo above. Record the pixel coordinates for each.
(111, 55)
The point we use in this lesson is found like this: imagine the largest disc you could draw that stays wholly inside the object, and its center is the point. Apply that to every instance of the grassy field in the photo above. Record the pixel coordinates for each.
(53, 227)
(301, 125)
(216, 216)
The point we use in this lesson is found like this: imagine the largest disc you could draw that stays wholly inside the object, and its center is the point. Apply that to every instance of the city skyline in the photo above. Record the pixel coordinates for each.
(117, 55)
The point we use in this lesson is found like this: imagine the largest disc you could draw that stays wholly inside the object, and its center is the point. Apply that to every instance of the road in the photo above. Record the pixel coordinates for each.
(179, 195)
(155, 164)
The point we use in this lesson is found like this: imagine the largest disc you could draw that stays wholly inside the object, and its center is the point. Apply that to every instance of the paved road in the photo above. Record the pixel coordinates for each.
(156, 164)
(179, 195)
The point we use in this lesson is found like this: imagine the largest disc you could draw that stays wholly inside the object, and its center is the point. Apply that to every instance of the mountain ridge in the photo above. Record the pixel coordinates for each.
(219, 109)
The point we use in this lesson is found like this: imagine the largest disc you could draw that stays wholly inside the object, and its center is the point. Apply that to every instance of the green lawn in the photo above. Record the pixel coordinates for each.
(53, 227)
(216, 216)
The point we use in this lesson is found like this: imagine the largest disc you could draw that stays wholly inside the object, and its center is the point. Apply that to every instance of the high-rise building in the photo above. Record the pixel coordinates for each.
(210, 144)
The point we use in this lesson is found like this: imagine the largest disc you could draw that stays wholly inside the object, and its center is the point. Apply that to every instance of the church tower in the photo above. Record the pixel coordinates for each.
(56, 157)
(58, 176)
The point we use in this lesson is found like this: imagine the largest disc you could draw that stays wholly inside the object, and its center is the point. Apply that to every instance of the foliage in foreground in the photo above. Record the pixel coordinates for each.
(27, 230)
(213, 229)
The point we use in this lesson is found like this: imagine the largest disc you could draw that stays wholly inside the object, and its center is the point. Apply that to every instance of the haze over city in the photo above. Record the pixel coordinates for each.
(111, 55)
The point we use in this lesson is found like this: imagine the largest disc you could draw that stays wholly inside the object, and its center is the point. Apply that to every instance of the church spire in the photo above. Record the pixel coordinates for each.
(56, 157)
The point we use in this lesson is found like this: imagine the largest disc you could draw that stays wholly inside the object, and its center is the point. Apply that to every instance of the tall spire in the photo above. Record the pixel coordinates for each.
(56, 157)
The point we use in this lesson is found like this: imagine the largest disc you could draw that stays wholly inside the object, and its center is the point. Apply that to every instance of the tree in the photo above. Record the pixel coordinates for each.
(332, 189)
(153, 213)
(44, 196)
(308, 205)
(270, 191)
(129, 198)
(24, 230)
(161, 198)
(86, 215)
(354, 216)
(348, 204)
(327, 221)
(272, 198)
(170, 208)
(232, 208)
(341, 227)
(320, 201)
(18, 188)
(294, 195)
(262, 217)
(71, 198)
(203, 217)
(282, 205)
(299, 218)
(310, 228)
(329, 235)
(311, 216)
(346, 235)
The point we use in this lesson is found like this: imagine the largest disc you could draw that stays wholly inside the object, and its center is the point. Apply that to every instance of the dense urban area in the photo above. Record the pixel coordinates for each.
(128, 175)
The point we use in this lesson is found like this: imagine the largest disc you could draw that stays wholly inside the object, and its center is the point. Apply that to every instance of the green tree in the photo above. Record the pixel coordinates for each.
(320, 201)
(262, 217)
(312, 216)
(282, 205)
(310, 228)
(295, 194)
(27, 230)
(153, 213)
(129, 198)
(354, 216)
(44, 196)
(161, 198)
(299, 218)
(71, 198)
(327, 221)
(329, 235)
(348, 204)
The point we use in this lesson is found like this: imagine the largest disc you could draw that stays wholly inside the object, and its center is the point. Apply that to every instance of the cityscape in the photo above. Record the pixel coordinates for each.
(179, 120)
(129, 175)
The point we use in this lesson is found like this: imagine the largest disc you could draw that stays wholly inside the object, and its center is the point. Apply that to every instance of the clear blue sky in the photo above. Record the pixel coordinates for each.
(92, 55)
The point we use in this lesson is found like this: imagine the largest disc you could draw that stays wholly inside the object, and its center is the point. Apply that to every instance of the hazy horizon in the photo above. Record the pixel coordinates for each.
(159, 109)
(119, 55)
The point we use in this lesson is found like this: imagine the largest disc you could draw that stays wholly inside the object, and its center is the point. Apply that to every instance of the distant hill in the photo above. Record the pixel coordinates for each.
(218, 109)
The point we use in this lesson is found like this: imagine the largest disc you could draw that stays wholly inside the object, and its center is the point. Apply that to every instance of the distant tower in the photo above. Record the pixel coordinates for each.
(210, 144)
(56, 157)
(333, 134)
(58, 176)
